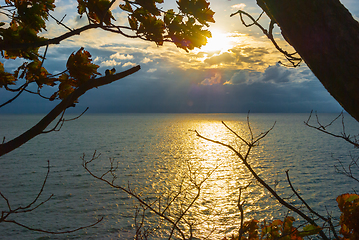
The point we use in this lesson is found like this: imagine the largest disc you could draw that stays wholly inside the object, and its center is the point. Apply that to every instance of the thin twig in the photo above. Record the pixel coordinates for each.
(323, 129)
(295, 61)
(244, 159)
(30, 208)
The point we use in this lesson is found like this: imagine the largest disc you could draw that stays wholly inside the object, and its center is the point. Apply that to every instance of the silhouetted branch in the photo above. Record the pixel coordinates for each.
(349, 172)
(52, 232)
(240, 205)
(21, 90)
(57, 40)
(327, 220)
(244, 158)
(323, 128)
(30, 207)
(163, 206)
(64, 104)
(295, 61)
(60, 22)
(127, 190)
(62, 120)
(38, 92)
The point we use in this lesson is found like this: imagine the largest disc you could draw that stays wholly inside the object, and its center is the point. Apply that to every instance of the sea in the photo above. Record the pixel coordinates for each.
(160, 159)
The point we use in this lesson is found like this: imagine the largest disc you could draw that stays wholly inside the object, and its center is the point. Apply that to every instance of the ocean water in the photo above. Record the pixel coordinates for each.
(156, 154)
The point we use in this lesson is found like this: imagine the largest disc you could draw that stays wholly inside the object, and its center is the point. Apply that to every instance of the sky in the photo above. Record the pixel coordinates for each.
(237, 71)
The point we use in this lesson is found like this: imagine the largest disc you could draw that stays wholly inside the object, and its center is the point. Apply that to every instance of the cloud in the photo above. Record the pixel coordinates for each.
(239, 6)
(151, 70)
(97, 59)
(239, 77)
(146, 60)
(249, 54)
(129, 64)
(121, 56)
(216, 79)
(115, 4)
(225, 57)
(277, 74)
(110, 63)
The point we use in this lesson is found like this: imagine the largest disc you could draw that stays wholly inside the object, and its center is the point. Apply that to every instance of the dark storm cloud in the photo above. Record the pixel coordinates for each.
(175, 90)
(162, 86)
(277, 74)
(181, 91)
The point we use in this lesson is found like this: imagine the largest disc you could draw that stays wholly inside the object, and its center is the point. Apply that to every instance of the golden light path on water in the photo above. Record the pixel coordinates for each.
(215, 213)
(158, 158)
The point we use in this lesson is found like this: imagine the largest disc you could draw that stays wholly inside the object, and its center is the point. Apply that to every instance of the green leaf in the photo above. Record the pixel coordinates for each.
(309, 230)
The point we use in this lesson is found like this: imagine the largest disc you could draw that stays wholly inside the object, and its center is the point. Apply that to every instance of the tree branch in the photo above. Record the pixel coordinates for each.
(21, 90)
(65, 103)
(30, 208)
(295, 61)
(328, 220)
(129, 191)
(17, 46)
(244, 159)
(323, 128)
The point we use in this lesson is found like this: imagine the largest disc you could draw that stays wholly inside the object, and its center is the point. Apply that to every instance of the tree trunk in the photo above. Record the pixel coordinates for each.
(326, 36)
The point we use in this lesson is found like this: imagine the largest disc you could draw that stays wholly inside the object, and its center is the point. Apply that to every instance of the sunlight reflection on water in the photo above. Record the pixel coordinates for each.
(155, 152)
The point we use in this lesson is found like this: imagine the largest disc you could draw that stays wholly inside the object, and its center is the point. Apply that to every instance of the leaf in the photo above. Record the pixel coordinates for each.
(133, 22)
(349, 219)
(81, 8)
(80, 66)
(6, 78)
(126, 7)
(53, 96)
(309, 230)
(97, 10)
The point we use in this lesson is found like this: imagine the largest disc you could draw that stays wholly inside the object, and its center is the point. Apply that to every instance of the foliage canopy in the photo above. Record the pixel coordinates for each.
(20, 36)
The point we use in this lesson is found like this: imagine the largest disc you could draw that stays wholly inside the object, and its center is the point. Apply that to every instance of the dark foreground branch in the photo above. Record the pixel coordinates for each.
(291, 57)
(129, 191)
(15, 46)
(323, 128)
(33, 206)
(172, 206)
(63, 105)
(244, 158)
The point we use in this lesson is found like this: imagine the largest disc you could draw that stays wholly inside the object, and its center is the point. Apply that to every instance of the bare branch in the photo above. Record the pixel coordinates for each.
(130, 192)
(240, 207)
(61, 121)
(244, 159)
(30, 208)
(60, 22)
(52, 232)
(323, 128)
(295, 61)
(348, 172)
(21, 90)
(328, 220)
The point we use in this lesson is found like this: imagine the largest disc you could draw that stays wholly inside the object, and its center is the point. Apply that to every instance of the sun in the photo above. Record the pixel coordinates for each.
(219, 42)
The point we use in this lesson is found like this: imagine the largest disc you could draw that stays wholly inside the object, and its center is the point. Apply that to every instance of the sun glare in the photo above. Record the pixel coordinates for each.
(218, 42)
